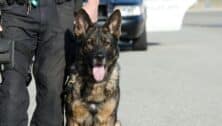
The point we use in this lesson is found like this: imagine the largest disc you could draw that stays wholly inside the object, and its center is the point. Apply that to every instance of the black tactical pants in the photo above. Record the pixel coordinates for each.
(41, 34)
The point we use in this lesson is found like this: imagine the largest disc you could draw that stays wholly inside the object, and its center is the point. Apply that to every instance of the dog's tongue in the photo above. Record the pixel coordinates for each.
(98, 73)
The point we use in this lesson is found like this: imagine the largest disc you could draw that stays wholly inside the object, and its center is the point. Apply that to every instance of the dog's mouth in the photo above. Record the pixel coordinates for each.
(99, 72)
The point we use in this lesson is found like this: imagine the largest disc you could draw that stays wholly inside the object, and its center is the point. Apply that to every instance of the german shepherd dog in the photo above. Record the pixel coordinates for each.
(95, 95)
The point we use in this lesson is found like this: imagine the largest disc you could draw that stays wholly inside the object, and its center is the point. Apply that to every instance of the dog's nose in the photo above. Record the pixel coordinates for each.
(100, 55)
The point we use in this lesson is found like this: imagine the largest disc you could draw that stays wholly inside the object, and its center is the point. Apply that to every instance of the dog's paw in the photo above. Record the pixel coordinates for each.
(118, 123)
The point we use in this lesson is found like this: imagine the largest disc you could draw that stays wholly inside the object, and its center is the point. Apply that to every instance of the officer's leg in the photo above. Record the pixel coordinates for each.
(49, 68)
(49, 74)
(14, 99)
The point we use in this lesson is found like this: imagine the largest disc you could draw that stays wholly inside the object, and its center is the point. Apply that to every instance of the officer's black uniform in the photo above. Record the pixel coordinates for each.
(39, 33)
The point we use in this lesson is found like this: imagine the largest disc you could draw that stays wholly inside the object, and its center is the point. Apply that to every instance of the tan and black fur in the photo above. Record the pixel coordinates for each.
(92, 102)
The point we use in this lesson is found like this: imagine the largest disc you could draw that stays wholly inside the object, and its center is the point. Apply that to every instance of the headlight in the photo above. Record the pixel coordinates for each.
(130, 10)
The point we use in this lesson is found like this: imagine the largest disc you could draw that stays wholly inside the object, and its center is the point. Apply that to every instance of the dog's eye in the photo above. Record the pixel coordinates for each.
(89, 45)
(107, 43)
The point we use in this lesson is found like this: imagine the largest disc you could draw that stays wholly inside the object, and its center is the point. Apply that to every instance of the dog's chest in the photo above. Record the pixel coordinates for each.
(96, 93)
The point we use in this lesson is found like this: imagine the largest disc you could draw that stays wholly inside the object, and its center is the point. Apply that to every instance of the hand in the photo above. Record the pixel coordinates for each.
(91, 7)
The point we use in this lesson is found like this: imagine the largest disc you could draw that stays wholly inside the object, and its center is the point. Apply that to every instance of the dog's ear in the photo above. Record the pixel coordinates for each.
(82, 23)
(113, 24)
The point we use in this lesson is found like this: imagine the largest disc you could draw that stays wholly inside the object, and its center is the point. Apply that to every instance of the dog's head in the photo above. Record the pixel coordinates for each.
(99, 45)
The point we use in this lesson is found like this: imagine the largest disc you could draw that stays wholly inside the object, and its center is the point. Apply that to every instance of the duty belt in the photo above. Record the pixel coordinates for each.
(34, 3)
(29, 3)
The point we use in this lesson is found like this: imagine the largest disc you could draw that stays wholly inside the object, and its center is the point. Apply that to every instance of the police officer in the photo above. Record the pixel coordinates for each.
(37, 27)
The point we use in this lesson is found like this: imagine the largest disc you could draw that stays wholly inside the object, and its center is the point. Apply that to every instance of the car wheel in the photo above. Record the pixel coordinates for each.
(141, 42)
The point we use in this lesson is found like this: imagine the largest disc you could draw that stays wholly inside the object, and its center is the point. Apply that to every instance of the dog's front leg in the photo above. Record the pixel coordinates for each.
(80, 114)
(106, 115)
(71, 122)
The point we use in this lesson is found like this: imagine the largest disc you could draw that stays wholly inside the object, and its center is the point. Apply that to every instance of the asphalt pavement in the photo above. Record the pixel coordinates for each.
(177, 82)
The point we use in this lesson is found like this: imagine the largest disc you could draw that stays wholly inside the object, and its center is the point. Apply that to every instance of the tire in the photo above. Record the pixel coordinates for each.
(141, 42)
